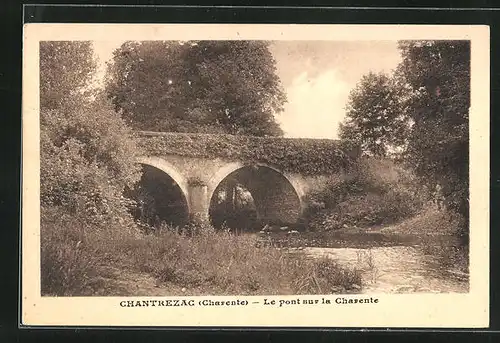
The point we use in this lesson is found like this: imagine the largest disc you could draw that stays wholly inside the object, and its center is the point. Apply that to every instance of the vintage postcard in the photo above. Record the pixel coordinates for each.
(255, 175)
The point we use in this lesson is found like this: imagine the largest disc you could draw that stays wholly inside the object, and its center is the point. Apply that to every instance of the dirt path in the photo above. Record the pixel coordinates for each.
(126, 282)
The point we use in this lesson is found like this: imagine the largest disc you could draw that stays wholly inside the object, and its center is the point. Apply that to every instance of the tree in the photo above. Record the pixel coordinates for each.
(438, 73)
(423, 110)
(203, 86)
(87, 154)
(87, 160)
(66, 68)
(375, 119)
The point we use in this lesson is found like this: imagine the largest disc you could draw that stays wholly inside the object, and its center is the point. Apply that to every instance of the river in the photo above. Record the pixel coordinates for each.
(390, 263)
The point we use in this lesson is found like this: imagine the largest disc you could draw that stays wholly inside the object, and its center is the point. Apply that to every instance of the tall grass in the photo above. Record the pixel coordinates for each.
(69, 259)
(224, 263)
(199, 259)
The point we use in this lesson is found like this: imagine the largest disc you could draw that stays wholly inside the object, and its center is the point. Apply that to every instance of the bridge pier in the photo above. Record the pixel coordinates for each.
(198, 202)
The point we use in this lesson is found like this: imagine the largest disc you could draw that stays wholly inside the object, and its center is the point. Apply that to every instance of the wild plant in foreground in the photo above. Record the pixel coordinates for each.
(218, 262)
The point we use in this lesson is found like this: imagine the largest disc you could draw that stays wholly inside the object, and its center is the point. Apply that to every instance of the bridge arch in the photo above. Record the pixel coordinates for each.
(167, 168)
(231, 167)
(177, 185)
(277, 196)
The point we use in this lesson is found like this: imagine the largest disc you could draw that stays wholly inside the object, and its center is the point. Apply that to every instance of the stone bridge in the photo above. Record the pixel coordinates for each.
(277, 172)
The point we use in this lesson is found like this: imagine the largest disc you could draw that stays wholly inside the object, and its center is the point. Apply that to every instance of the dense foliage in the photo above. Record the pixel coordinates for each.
(306, 156)
(421, 113)
(66, 69)
(87, 160)
(438, 145)
(87, 153)
(197, 86)
(377, 193)
(375, 119)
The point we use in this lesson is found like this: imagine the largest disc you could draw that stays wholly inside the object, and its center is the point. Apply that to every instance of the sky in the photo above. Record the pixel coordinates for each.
(317, 77)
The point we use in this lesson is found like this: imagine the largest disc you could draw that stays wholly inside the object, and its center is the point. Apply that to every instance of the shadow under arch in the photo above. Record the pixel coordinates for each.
(276, 197)
(164, 190)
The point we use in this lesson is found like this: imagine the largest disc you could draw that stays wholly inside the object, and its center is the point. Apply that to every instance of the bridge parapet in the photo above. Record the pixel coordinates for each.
(294, 155)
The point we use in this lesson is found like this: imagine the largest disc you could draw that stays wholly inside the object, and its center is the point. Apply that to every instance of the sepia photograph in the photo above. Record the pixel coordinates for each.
(253, 167)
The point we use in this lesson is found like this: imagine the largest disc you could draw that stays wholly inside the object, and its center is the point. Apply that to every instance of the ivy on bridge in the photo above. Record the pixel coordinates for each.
(298, 155)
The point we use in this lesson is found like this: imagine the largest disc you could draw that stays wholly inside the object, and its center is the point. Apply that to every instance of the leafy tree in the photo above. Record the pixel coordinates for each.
(375, 118)
(86, 150)
(423, 111)
(438, 73)
(203, 86)
(66, 68)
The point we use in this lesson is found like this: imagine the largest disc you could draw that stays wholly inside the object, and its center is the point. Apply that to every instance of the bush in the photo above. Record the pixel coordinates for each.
(378, 192)
(87, 160)
(87, 151)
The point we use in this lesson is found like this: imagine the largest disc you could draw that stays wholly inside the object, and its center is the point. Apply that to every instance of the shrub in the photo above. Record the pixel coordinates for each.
(378, 192)
(87, 151)
(87, 159)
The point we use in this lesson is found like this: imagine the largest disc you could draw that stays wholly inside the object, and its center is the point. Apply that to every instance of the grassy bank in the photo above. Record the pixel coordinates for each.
(378, 192)
(429, 222)
(223, 263)
(76, 260)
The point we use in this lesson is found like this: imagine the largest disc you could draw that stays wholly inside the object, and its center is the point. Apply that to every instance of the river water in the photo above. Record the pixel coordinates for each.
(391, 263)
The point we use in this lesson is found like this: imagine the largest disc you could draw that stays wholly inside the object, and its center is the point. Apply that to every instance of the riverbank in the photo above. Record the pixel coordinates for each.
(77, 263)
(423, 253)
(92, 262)
(430, 227)
(432, 266)
(430, 221)
(403, 268)
(221, 263)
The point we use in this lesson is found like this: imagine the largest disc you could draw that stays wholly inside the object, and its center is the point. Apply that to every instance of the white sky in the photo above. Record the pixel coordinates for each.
(317, 77)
